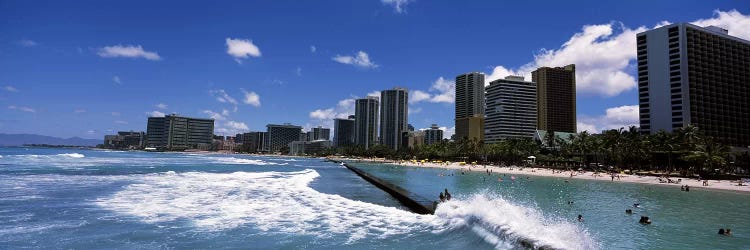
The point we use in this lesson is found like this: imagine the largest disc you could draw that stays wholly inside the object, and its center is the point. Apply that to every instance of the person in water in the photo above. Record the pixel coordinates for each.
(580, 218)
(636, 205)
(728, 232)
(442, 197)
(447, 195)
(722, 232)
(629, 211)
(645, 220)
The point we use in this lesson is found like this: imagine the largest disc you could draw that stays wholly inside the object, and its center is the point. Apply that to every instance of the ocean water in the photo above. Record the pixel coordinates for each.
(87, 199)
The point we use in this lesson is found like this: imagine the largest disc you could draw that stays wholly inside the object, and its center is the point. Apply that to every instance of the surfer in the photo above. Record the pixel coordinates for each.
(442, 197)
(447, 195)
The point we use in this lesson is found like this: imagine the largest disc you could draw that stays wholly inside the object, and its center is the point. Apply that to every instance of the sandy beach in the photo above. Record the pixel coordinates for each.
(512, 170)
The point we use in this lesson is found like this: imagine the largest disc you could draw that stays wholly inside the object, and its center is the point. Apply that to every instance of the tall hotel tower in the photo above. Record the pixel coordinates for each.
(511, 109)
(394, 116)
(366, 121)
(556, 98)
(470, 106)
(695, 75)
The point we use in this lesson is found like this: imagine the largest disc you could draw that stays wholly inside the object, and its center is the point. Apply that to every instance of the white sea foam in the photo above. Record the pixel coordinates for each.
(72, 155)
(283, 202)
(500, 222)
(232, 160)
(270, 201)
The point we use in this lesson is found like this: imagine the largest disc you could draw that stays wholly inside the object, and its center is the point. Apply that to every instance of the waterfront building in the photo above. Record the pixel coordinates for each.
(692, 75)
(308, 147)
(125, 140)
(411, 139)
(470, 106)
(556, 98)
(173, 132)
(343, 132)
(366, 121)
(433, 135)
(394, 116)
(279, 136)
(320, 133)
(252, 142)
(511, 109)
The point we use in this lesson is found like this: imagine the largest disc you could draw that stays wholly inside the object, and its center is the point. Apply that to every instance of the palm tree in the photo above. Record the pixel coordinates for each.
(709, 155)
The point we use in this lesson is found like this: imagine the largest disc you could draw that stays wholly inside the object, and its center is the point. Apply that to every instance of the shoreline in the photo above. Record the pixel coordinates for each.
(714, 185)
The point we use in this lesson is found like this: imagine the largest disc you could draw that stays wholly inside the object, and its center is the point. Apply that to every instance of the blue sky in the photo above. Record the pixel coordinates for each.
(88, 68)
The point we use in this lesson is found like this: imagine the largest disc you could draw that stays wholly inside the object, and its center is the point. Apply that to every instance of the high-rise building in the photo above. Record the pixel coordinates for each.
(556, 98)
(411, 139)
(433, 135)
(280, 136)
(320, 133)
(470, 106)
(511, 109)
(173, 132)
(252, 141)
(125, 140)
(366, 121)
(695, 75)
(394, 116)
(343, 132)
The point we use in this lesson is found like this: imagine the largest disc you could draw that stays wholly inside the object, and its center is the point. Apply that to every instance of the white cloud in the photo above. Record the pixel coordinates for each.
(448, 132)
(121, 122)
(129, 51)
(27, 43)
(155, 113)
(299, 71)
(602, 54)
(231, 128)
(614, 118)
(418, 96)
(222, 96)
(91, 131)
(323, 114)
(374, 93)
(78, 111)
(25, 109)
(116, 79)
(737, 24)
(161, 106)
(241, 49)
(361, 59)
(398, 5)
(115, 113)
(415, 110)
(441, 91)
(215, 115)
(10, 88)
(251, 98)
(313, 49)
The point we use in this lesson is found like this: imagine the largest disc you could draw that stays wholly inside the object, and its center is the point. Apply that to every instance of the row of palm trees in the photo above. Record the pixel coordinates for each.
(687, 151)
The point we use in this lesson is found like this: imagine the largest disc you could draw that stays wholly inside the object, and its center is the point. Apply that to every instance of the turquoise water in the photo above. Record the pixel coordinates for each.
(681, 220)
(86, 199)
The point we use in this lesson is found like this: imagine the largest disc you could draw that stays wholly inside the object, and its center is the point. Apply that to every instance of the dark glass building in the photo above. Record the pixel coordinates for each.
(695, 75)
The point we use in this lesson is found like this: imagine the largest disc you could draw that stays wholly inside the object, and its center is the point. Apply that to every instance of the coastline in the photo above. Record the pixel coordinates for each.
(724, 185)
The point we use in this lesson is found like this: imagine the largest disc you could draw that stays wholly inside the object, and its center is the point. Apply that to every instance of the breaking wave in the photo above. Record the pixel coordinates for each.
(283, 202)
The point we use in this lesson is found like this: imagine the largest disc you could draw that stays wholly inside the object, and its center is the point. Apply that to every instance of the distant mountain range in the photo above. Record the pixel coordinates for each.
(21, 139)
